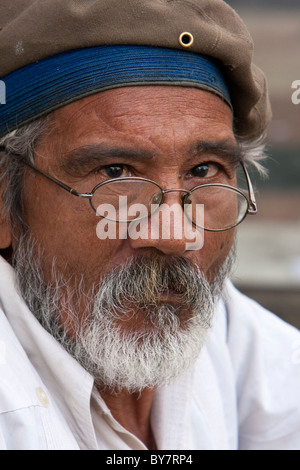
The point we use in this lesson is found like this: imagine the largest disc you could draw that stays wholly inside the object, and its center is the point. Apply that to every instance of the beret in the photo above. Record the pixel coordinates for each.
(33, 30)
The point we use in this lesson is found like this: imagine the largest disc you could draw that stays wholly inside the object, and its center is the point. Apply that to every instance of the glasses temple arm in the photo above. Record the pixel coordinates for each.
(59, 183)
(253, 205)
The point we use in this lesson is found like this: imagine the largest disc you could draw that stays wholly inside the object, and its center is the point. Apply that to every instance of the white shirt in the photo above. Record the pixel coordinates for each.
(242, 393)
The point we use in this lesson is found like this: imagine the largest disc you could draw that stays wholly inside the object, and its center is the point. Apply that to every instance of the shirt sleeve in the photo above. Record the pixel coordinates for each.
(265, 353)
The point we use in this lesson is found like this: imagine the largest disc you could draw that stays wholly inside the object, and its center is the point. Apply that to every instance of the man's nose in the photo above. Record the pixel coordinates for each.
(168, 229)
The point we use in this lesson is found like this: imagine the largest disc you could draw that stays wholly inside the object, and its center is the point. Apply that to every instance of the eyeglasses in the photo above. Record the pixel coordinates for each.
(225, 206)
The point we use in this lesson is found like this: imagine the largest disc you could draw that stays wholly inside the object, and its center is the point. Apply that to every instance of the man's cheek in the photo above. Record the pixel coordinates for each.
(216, 248)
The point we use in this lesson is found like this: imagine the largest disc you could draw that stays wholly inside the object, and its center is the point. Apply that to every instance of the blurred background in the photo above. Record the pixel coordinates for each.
(269, 244)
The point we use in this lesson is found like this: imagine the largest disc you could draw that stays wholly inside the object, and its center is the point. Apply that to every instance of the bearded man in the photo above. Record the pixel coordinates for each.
(119, 330)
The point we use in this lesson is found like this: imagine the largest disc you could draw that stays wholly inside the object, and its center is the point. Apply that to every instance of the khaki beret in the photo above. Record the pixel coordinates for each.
(32, 30)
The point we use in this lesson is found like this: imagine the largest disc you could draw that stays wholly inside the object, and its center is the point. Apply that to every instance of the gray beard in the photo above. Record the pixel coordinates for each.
(166, 338)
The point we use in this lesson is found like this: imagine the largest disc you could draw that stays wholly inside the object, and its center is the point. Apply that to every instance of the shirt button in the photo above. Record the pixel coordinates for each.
(42, 397)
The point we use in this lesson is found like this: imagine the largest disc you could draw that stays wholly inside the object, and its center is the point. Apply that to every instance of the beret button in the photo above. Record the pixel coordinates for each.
(186, 39)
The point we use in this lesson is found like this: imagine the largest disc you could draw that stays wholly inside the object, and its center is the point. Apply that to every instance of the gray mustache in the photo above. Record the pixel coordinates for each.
(142, 281)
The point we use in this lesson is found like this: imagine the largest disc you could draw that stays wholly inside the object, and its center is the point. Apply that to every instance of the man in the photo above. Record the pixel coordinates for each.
(119, 330)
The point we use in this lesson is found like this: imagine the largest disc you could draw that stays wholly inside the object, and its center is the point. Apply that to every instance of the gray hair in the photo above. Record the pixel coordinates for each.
(14, 147)
(20, 144)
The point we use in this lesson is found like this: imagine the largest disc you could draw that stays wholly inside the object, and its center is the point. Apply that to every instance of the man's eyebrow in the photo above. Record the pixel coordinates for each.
(96, 154)
(229, 150)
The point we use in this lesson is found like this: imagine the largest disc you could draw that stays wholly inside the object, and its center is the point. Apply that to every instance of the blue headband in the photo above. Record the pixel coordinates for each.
(41, 87)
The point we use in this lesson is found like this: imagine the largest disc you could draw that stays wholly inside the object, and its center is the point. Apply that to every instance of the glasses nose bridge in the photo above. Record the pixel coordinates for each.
(184, 193)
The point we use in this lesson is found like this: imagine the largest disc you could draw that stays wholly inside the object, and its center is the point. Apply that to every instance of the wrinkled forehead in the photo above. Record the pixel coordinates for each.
(132, 118)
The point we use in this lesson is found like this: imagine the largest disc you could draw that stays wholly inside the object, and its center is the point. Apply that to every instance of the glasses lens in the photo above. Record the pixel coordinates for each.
(223, 207)
(126, 200)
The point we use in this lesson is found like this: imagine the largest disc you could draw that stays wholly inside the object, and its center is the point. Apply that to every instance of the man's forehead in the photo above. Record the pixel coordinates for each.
(124, 103)
(130, 117)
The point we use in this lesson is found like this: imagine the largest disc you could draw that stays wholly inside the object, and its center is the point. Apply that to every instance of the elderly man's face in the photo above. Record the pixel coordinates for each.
(157, 308)
(164, 126)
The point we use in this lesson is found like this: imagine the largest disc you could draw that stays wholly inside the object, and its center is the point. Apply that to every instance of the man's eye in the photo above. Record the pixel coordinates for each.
(115, 171)
(205, 170)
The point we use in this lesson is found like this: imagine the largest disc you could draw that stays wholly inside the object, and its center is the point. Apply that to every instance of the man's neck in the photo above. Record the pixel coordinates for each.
(133, 412)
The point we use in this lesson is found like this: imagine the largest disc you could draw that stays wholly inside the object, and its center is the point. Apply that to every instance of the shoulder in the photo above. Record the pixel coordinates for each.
(253, 319)
(265, 357)
(258, 337)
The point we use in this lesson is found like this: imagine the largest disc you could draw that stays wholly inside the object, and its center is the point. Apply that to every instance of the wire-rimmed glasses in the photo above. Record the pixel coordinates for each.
(224, 206)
